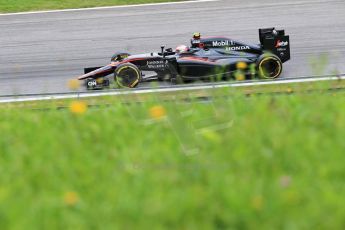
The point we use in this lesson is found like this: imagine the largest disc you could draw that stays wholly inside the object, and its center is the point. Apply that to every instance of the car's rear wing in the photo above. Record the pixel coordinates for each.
(275, 41)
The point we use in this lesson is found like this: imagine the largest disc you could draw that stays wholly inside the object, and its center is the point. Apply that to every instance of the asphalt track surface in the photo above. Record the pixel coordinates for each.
(39, 53)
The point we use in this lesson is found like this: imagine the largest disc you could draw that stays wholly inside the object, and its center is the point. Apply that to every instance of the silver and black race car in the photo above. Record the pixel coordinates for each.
(208, 58)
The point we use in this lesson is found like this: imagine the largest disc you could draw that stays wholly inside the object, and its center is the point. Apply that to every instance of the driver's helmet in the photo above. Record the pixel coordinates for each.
(196, 40)
(181, 49)
(196, 36)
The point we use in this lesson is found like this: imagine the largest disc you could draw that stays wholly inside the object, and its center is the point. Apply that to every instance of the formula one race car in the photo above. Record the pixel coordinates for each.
(206, 59)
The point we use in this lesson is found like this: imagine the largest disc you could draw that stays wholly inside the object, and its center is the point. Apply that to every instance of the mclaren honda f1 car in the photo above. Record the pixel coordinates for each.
(207, 58)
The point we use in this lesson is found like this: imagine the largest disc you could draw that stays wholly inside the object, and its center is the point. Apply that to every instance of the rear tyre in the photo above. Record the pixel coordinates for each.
(127, 75)
(269, 66)
(119, 56)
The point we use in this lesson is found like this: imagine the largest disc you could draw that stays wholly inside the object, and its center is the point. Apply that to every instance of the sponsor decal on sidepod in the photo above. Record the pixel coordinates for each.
(156, 64)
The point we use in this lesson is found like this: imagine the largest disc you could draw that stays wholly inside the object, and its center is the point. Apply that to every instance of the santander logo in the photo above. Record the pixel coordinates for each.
(281, 44)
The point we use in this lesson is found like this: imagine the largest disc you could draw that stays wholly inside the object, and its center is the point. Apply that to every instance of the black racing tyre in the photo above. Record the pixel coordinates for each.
(269, 66)
(119, 56)
(127, 75)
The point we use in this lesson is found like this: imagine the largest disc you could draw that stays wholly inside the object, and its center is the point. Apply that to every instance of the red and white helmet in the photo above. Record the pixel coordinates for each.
(181, 49)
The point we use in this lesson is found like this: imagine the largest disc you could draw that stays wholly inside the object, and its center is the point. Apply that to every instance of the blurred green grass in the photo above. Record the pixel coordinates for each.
(240, 162)
(7, 6)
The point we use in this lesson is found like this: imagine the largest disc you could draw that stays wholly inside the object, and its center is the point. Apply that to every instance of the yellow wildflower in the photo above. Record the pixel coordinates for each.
(100, 80)
(73, 84)
(241, 65)
(157, 112)
(239, 76)
(71, 198)
(78, 107)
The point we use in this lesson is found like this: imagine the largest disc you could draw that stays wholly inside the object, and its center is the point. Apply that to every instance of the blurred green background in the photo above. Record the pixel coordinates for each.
(272, 161)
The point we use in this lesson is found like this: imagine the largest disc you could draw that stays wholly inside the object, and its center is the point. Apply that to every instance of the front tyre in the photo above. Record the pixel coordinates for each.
(269, 66)
(127, 75)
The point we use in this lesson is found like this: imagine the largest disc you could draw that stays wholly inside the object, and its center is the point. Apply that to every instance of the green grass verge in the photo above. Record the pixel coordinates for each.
(238, 162)
(7, 6)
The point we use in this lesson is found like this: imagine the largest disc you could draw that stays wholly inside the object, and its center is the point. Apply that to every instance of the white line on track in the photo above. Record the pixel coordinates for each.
(170, 89)
(109, 7)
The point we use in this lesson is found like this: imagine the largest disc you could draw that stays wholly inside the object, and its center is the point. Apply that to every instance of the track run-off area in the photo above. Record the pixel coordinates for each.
(41, 51)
